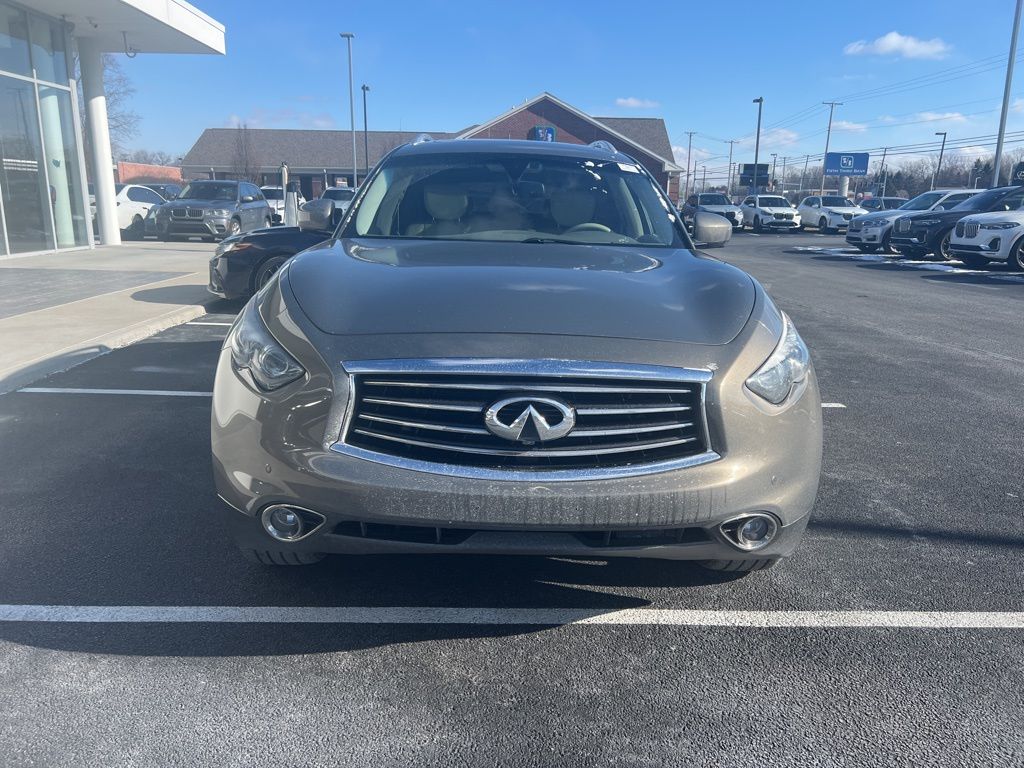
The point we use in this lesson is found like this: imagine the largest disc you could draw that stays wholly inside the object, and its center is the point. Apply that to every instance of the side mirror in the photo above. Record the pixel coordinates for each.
(247, 198)
(317, 214)
(711, 230)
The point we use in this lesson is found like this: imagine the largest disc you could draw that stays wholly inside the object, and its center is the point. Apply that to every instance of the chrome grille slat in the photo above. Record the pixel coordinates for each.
(528, 453)
(432, 413)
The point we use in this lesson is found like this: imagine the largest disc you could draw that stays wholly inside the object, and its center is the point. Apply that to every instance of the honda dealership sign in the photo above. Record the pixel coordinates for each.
(846, 164)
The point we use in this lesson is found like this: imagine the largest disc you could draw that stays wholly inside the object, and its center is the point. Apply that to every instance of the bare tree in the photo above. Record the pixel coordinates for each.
(244, 165)
(149, 157)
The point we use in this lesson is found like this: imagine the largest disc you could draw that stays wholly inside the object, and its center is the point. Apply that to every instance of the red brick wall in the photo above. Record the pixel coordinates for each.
(568, 128)
(128, 172)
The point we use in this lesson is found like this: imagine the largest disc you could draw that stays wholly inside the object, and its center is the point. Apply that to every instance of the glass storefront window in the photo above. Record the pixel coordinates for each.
(14, 41)
(61, 154)
(26, 195)
(48, 50)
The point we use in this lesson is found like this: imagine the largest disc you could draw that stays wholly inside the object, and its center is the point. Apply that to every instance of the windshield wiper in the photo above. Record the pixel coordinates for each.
(551, 240)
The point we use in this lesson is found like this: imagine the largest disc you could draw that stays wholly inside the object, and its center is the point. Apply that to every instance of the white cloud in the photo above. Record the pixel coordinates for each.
(904, 46)
(679, 152)
(632, 102)
(775, 138)
(973, 151)
(1017, 106)
(952, 117)
(281, 118)
(847, 125)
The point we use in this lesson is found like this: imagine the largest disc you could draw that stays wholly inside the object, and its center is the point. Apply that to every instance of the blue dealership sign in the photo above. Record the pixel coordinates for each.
(846, 164)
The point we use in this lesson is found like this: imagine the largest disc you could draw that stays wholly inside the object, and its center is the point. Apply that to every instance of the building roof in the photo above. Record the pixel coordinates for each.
(219, 148)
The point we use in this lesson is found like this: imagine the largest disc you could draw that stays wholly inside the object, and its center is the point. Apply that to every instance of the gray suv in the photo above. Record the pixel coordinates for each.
(214, 209)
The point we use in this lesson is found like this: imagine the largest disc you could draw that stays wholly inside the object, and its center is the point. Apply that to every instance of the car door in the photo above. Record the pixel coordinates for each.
(747, 208)
(133, 202)
(950, 200)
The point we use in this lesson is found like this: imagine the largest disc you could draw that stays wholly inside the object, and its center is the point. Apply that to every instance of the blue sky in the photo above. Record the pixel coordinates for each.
(443, 66)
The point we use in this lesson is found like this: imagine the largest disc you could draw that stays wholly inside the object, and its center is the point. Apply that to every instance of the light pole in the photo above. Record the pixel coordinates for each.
(351, 105)
(803, 175)
(689, 145)
(941, 150)
(757, 138)
(1006, 94)
(771, 179)
(704, 180)
(784, 175)
(881, 170)
(728, 188)
(366, 134)
(828, 136)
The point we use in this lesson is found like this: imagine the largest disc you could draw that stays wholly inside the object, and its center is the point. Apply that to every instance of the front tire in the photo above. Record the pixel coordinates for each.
(737, 566)
(281, 557)
(942, 249)
(1015, 259)
(757, 225)
(234, 227)
(265, 271)
(823, 225)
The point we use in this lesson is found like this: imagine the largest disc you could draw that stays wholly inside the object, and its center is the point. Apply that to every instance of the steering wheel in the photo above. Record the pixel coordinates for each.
(588, 226)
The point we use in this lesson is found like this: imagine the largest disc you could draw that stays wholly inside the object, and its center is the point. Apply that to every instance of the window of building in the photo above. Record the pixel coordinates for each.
(14, 41)
(49, 56)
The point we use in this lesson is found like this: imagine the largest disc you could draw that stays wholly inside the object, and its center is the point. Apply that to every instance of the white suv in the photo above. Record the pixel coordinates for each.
(275, 199)
(829, 213)
(133, 204)
(985, 237)
(870, 233)
(769, 212)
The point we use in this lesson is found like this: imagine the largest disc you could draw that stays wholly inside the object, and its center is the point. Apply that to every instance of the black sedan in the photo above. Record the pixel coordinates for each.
(243, 264)
(929, 231)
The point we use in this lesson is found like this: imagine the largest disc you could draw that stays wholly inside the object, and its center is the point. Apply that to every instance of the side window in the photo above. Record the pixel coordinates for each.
(812, 201)
(1013, 201)
(952, 200)
(749, 201)
(136, 195)
(151, 196)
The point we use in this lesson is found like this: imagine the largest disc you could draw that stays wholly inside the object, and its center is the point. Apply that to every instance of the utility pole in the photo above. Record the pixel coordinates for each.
(757, 137)
(728, 188)
(784, 175)
(351, 106)
(689, 146)
(881, 170)
(803, 175)
(704, 181)
(828, 135)
(1006, 94)
(771, 179)
(941, 150)
(366, 134)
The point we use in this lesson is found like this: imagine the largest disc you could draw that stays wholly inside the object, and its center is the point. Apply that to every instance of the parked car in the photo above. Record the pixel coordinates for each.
(133, 204)
(275, 199)
(243, 264)
(511, 347)
(343, 196)
(166, 191)
(769, 212)
(829, 213)
(919, 234)
(983, 238)
(712, 202)
(871, 232)
(881, 203)
(213, 209)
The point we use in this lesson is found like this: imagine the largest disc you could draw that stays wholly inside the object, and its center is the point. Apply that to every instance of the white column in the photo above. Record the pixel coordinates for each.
(91, 58)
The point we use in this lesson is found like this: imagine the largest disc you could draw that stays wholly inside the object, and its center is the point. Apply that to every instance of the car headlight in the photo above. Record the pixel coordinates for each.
(229, 244)
(876, 222)
(221, 212)
(784, 369)
(928, 222)
(1000, 225)
(254, 349)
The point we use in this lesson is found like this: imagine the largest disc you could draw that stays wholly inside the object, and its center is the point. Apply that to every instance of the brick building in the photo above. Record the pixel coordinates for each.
(323, 158)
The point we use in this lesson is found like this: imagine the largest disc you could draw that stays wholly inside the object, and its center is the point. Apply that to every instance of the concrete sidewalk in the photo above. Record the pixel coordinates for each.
(60, 309)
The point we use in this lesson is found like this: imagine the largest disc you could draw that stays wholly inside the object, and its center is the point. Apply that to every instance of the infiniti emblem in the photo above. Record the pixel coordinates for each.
(528, 419)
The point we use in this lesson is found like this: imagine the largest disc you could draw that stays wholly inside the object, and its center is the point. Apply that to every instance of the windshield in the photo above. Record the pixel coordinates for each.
(209, 190)
(922, 202)
(981, 201)
(515, 198)
(715, 199)
(836, 202)
(272, 193)
(773, 202)
(893, 202)
(338, 194)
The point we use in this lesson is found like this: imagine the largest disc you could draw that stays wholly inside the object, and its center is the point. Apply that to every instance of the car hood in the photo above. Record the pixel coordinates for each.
(946, 217)
(777, 210)
(981, 218)
(720, 208)
(890, 214)
(844, 209)
(364, 286)
(200, 203)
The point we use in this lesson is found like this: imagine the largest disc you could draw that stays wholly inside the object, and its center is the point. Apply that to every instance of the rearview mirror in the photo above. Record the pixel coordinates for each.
(711, 230)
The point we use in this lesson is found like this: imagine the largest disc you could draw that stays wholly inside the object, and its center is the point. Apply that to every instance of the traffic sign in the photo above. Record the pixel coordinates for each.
(846, 164)
(1018, 174)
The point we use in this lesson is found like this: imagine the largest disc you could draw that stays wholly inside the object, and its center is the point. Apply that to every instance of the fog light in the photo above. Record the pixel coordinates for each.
(288, 523)
(750, 532)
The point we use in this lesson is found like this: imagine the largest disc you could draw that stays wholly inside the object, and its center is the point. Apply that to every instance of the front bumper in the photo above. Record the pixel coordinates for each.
(780, 223)
(991, 246)
(271, 449)
(216, 226)
(866, 235)
(229, 278)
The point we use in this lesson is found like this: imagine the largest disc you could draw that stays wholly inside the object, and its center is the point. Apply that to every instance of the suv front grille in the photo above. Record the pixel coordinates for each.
(438, 417)
(970, 229)
(187, 213)
(856, 225)
(903, 226)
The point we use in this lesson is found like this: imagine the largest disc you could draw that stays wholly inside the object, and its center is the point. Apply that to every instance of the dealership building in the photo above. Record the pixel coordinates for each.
(319, 158)
(44, 197)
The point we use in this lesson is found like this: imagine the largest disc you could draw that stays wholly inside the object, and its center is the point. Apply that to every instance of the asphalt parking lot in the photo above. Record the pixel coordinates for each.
(132, 633)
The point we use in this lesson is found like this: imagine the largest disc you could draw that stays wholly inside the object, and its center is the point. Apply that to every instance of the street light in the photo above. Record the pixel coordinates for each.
(757, 137)
(941, 150)
(351, 104)
(771, 179)
(366, 140)
(1006, 94)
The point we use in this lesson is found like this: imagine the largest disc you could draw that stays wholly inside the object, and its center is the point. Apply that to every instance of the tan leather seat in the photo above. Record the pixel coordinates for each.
(570, 207)
(446, 205)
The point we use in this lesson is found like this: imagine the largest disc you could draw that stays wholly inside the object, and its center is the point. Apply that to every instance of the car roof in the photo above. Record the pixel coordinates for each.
(958, 190)
(511, 146)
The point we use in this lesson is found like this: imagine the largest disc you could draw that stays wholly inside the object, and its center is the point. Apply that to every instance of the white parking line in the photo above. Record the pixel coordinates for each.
(832, 405)
(176, 614)
(79, 391)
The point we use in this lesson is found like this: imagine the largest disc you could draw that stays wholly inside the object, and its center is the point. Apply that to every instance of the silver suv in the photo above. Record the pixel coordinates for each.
(214, 209)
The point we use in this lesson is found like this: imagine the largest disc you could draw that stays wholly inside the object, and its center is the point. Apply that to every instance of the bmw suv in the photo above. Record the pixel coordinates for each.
(213, 210)
(512, 347)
